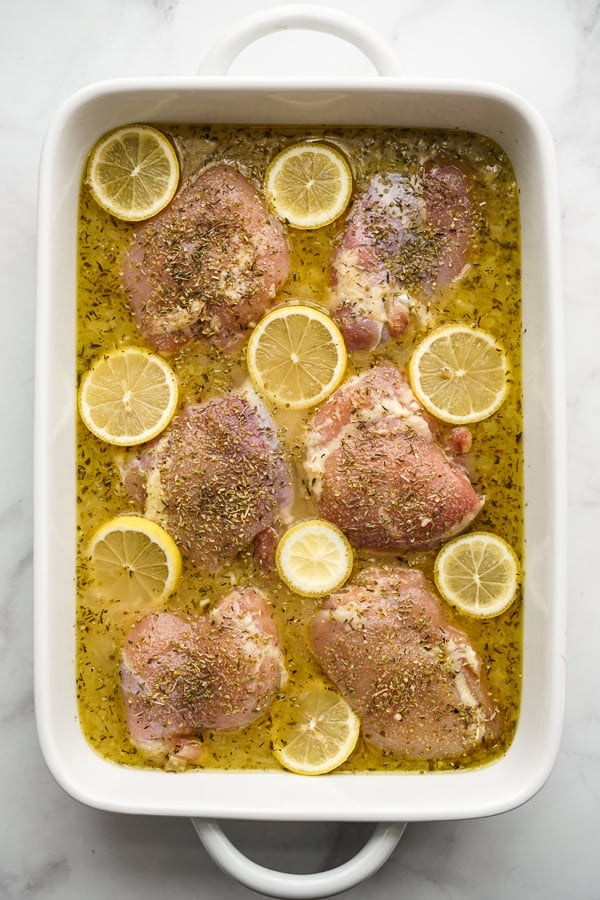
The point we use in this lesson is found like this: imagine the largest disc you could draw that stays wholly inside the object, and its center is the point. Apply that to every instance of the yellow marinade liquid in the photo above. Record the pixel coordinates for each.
(489, 296)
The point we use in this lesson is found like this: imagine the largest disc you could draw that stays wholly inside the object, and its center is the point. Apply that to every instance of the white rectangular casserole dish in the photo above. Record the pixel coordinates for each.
(275, 795)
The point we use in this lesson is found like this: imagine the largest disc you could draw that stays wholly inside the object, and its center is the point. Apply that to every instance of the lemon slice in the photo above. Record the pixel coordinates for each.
(133, 172)
(128, 396)
(314, 558)
(135, 560)
(308, 184)
(459, 374)
(296, 356)
(478, 573)
(317, 734)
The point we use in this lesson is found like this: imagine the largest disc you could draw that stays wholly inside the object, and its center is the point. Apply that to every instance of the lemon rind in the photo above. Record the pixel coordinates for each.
(128, 440)
(454, 599)
(119, 211)
(311, 313)
(425, 399)
(344, 749)
(308, 222)
(285, 547)
(155, 533)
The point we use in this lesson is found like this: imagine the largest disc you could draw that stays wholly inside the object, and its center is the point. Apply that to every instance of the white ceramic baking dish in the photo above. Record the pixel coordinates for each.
(386, 798)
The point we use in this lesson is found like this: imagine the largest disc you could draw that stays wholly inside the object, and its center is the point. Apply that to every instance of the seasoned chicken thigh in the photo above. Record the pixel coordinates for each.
(216, 479)
(415, 681)
(404, 236)
(375, 470)
(182, 676)
(208, 266)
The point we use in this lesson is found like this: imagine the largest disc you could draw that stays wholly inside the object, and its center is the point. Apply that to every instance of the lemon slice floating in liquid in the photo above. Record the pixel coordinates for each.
(296, 356)
(478, 573)
(133, 172)
(314, 558)
(128, 396)
(135, 560)
(317, 734)
(308, 184)
(459, 374)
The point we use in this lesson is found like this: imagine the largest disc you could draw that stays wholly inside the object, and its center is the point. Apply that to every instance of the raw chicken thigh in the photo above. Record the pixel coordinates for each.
(375, 470)
(413, 679)
(216, 479)
(404, 236)
(182, 676)
(208, 266)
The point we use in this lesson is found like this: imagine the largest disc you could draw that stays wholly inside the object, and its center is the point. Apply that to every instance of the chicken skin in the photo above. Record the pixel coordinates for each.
(374, 468)
(405, 237)
(182, 676)
(208, 266)
(216, 479)
(414, 680)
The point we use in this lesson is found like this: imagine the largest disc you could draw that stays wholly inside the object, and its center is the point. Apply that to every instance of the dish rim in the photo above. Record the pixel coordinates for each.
(496, 787)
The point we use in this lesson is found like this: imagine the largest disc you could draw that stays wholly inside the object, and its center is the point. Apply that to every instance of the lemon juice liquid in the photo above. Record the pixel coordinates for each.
(488, 296)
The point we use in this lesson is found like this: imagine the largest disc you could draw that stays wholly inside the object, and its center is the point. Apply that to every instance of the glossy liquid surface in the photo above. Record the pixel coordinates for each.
(489, 296)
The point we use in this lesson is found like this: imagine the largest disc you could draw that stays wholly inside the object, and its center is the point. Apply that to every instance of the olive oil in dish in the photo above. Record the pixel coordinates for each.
(487, 296)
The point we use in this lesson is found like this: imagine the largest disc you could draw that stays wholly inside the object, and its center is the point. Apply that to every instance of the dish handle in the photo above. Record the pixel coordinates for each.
(296, 16)
(385, 837)
(272, 883)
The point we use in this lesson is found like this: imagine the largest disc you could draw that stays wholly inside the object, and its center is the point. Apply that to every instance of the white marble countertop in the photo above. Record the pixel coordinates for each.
(547, 50)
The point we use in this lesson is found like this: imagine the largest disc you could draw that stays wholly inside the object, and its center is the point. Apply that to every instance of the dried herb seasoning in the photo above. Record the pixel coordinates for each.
(488, 296)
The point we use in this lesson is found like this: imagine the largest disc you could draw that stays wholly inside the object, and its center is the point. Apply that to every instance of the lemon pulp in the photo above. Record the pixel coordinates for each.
(478, 573)
(135, 560)
(128, 396)
(133, 172)
(459, 374)
(314, 558)
(308, 184)
(316, 734)
(296, 356)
